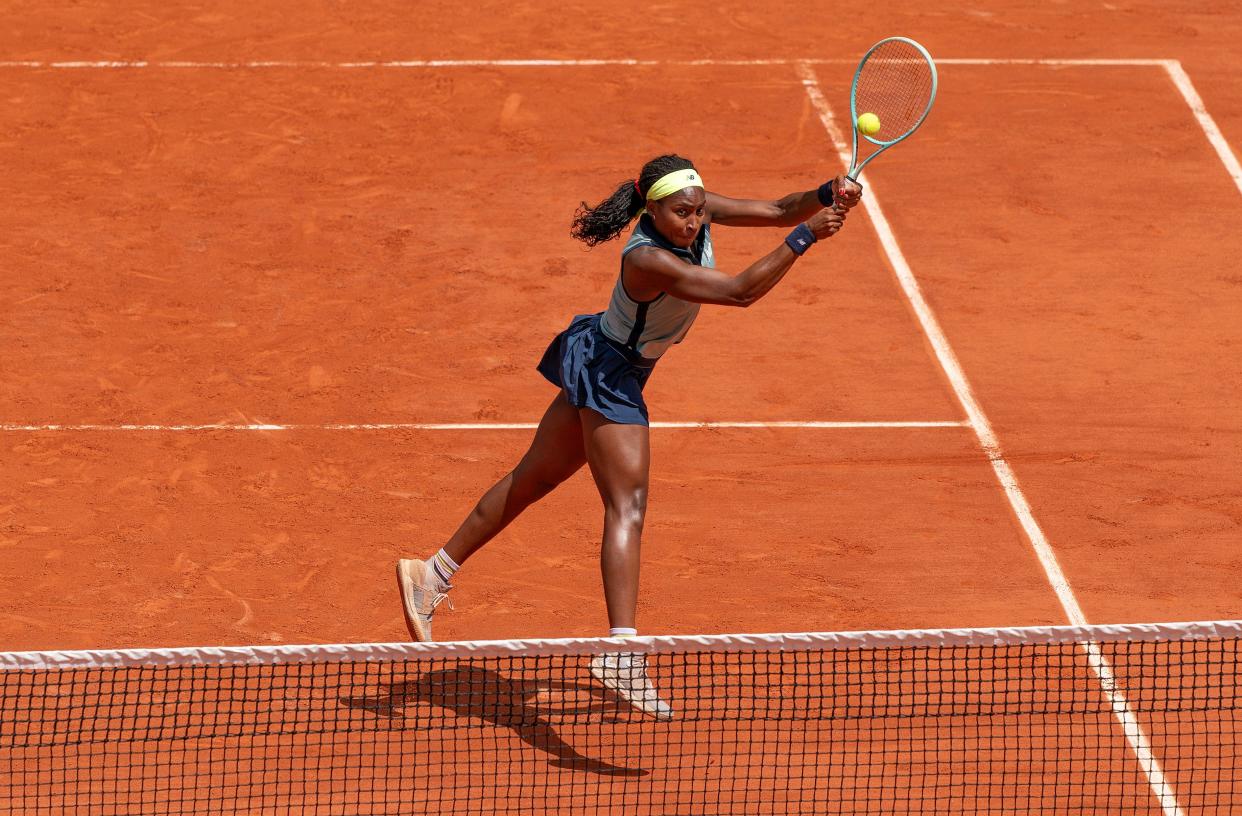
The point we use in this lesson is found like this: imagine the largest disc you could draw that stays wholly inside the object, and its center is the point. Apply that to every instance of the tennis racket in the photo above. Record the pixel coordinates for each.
(896, 82)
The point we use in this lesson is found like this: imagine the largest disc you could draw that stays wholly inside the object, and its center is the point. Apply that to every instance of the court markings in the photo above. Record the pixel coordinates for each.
(474, 426)
(529, 63)
(1139, 743)
(1181, 79)
(1217, 139)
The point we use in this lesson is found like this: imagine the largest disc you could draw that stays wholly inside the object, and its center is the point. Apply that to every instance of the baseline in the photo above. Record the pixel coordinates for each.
(471, 426)
(534, 63)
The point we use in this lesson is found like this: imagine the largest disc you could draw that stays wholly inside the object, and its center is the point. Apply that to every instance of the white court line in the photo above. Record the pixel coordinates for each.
(472, 426)
(1131, 728)
(1182, 80)
(534, 63)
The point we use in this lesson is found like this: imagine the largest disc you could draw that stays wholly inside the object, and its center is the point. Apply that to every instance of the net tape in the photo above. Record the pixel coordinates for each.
(785, 641)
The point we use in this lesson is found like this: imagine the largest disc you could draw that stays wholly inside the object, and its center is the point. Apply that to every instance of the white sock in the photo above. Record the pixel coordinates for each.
(443, 566)
(622, 632)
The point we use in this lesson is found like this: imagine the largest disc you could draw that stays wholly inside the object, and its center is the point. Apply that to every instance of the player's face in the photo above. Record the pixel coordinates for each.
(680, 216)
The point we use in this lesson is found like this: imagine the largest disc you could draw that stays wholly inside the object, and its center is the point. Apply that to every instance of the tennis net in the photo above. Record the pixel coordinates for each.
(1135, 719)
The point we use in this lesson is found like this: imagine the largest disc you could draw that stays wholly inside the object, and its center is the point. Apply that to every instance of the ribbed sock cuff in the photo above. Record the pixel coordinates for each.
(443, 566)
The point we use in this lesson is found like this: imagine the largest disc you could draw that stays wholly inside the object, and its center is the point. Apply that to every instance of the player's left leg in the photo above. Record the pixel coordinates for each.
(555, 454)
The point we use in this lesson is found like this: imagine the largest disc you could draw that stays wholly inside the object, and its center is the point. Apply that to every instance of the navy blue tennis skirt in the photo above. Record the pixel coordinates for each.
(597, 372)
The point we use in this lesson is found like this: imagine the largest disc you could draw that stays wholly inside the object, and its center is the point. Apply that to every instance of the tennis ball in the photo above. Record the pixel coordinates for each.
(869, 124)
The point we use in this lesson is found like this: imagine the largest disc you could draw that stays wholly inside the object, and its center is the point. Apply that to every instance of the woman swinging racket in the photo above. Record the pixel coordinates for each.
(601, 363)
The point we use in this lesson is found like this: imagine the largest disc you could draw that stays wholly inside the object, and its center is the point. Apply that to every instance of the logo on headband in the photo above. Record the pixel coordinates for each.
(673, 182)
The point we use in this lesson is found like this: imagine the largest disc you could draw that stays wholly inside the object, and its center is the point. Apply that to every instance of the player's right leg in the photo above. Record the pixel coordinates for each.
(555, 454)
(620, 460)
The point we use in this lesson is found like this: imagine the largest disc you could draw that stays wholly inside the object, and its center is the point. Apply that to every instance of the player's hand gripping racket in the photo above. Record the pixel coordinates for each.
(893, 91)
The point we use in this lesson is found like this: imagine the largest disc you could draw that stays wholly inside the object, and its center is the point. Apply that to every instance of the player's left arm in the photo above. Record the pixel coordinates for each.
(789, 211)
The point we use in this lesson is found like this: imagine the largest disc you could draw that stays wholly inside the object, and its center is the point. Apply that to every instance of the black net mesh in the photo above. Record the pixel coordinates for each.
(895, 83)
(922, 729)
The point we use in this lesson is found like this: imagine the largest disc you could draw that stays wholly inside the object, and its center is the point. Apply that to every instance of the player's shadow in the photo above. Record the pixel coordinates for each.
(522, 706)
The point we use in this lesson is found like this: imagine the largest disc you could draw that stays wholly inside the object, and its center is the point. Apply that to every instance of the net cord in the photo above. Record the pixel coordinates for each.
(805, 641)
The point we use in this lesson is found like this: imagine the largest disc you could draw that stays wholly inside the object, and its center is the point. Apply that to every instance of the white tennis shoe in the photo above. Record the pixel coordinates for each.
(626, 674)
(421, 592)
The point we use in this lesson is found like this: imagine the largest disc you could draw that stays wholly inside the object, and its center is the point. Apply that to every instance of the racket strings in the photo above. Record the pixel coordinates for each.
(896, 84)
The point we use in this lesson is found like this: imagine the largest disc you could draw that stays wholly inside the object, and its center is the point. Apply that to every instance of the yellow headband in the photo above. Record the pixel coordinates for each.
(674, 182)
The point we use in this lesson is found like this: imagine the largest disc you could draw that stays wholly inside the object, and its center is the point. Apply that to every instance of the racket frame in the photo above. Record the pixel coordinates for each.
(855, 167)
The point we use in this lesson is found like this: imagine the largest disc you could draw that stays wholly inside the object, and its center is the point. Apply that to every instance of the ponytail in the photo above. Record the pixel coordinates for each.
(606, 220)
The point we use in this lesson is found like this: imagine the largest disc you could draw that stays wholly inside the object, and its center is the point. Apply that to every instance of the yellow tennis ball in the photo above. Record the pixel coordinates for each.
(869, 124)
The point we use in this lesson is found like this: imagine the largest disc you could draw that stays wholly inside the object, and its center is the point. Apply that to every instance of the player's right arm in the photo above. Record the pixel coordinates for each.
(650, 271)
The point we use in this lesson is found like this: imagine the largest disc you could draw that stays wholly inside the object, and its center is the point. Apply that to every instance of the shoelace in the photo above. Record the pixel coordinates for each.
(437, 598)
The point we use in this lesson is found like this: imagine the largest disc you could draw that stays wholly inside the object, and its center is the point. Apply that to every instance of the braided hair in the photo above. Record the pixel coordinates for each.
(606, 220)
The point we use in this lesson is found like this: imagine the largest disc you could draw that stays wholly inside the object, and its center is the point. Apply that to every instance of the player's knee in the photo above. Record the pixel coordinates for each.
(629, 507)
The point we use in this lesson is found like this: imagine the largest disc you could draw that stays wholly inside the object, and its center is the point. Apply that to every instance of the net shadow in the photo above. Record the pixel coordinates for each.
(523, 706)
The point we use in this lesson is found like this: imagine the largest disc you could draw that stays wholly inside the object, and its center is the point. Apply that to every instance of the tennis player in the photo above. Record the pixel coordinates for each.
(600, 364)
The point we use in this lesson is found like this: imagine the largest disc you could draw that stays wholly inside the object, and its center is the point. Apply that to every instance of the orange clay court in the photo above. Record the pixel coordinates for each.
(351, 222)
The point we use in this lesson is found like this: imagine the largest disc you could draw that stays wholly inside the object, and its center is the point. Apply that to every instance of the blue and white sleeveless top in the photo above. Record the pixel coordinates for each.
(649, 327)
